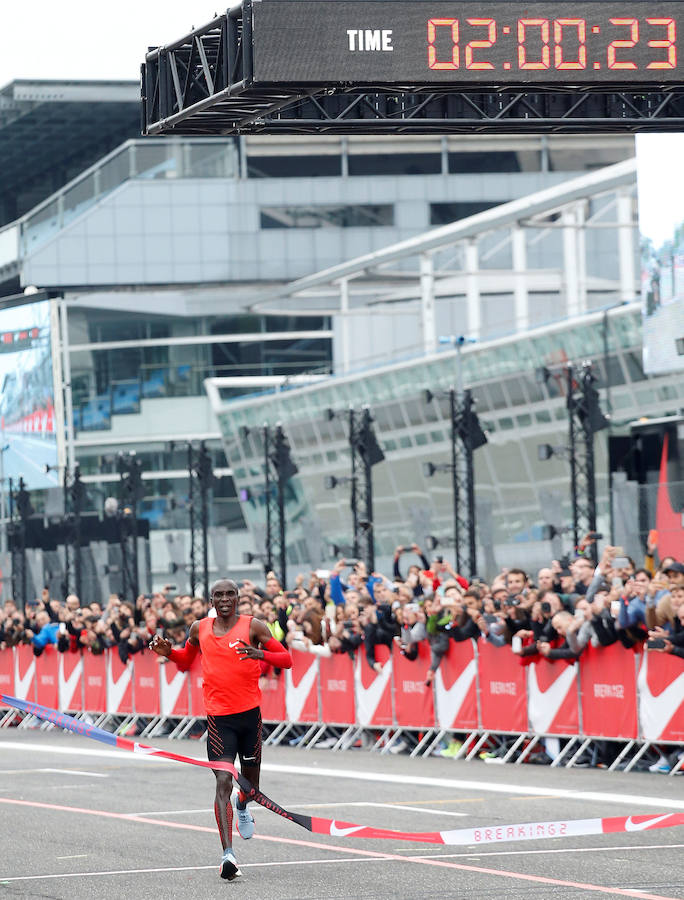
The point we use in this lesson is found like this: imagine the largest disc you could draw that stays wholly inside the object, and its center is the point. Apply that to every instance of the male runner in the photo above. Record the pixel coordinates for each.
(231, 647)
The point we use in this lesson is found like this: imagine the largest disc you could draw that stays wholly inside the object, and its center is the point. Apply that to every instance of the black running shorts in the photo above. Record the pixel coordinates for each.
(236, 734)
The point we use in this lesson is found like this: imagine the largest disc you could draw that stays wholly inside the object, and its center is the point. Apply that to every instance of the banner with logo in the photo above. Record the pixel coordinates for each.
(95, 677)
(337, 689)
(71, 681)
(7, 671)
(196, 695)
(119, 684)
(373, 690)
(661, 697)
(301, 688)
(414, 700)
(503, 695)
(552, 697)
(272, 697)
(146, 684)
(174, 695)
(609, 696)
(24, 673)
(47, 667)
(456, 688)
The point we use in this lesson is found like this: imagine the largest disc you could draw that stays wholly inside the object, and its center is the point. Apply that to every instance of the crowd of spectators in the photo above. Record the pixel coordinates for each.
(569, 605)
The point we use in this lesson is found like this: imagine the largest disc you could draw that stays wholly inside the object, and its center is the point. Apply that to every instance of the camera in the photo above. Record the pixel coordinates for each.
(546, 607)
(512, 600)
(351, 562)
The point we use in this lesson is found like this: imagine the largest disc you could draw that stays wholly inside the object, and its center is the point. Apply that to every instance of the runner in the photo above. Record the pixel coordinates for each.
(231, 648)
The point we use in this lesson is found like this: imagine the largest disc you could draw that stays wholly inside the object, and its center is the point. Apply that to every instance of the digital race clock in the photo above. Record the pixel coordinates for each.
(479, 44)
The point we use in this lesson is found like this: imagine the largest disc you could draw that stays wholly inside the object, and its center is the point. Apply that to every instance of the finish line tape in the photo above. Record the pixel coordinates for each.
(494, 834)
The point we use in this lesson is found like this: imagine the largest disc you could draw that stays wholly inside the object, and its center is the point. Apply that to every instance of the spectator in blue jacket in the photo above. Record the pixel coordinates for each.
(47, 632)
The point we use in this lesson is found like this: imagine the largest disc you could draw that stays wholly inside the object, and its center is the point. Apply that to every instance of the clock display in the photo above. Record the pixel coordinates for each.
(479, 44)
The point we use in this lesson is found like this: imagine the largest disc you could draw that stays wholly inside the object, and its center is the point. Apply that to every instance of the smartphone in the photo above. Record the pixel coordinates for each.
(322, 573)
(653, 537)
(656, 644)
(615, 608)
(516, 644)
(621, 562)
(579, 613)
(350, 562)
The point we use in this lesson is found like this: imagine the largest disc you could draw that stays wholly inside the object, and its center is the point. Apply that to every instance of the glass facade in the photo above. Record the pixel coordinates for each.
(515, 492)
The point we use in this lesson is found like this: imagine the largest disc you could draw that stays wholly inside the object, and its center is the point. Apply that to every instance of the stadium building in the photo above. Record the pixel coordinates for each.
(207, 284)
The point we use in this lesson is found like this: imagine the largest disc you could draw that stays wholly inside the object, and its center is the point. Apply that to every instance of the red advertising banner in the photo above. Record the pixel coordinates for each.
(414, 701)
(95, 677)
(196, 696)
(456, 688)
(146, 684)
(119, 684)
(552, 697)
(608, 680)
(47, 668)
(661, 697)
(503, 695)
(373, 690)
(7, 672)
(337, 689)
(174, 693)
(70, 681)
(301, 688)
(272, 697)
(24, 673)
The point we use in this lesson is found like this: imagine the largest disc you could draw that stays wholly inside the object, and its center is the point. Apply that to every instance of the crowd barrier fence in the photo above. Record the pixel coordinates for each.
(478, 691)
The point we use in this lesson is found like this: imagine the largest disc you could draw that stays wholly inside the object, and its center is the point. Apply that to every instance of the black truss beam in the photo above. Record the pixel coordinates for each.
(203, 85)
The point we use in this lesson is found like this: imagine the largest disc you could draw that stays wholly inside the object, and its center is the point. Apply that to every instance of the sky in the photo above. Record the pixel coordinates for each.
(660, 179)
(87, 39)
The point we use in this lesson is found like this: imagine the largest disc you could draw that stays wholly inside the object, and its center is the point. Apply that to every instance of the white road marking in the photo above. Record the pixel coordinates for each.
(470, 785)
(395, 806)
(171, 812)
(76, 772)
(317, 862)
(75, 856)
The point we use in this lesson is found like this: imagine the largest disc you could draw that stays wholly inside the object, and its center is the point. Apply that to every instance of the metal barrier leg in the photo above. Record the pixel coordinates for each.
(514, 746)
(390, 742)
(435, 741)
(280, 727)
(307, 735)
(677, 767)
(381, 740)
(347, 738)
(573, 759)
(526, 752)
(466, 743)
(483, 738)
(564, 751)
(151, 725)
(625, 750)
(279, 734)
(637, 756)
(421, 743)
(314, 740)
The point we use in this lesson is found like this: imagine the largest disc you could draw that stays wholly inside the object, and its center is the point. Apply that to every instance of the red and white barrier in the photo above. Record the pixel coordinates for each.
(609, 693)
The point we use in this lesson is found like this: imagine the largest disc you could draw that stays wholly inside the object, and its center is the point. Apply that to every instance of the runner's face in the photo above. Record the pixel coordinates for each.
(224, 597)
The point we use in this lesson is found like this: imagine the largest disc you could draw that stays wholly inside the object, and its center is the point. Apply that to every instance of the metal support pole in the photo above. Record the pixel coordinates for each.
(282, 479)
(368, 490)
(467, 438)
(454, 477)
(268, 561)
(354, 501)
(192, 515)
(572, 453)
(205, 476)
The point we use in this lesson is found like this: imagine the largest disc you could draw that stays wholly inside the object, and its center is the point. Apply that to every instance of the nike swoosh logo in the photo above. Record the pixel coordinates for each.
(368, 698)
(449, 702)
(67, 686)
(143, 748)
(170, 691)
(234, 644)
(296, 695)
(344, 832)
(22, 685)
(116, 689)
(543, 706)
(655, 713)
(642, 826)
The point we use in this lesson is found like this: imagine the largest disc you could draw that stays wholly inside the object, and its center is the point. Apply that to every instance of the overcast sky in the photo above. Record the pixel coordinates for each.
(89, 39)
(661, 185)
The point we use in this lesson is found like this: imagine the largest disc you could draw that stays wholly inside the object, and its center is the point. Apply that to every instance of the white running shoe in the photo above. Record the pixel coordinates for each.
(229, 867)
(245, 822)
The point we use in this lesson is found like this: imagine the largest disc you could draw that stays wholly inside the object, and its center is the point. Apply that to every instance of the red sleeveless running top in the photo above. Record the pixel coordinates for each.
(230, 683)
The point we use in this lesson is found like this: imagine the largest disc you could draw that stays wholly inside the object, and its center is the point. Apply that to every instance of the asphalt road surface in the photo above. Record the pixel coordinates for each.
(78, 820)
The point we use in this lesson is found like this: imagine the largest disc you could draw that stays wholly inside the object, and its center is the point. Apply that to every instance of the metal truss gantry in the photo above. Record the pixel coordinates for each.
(203, 84)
